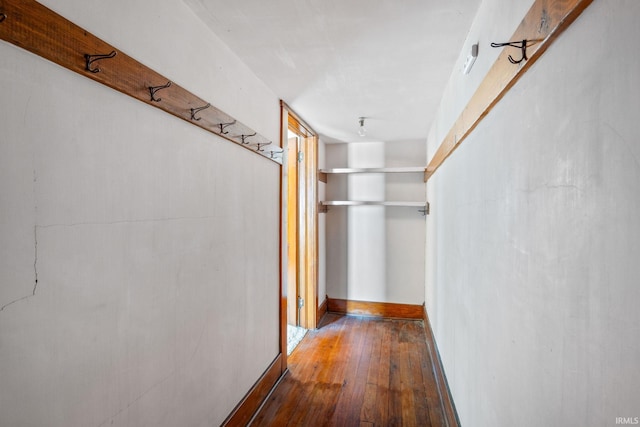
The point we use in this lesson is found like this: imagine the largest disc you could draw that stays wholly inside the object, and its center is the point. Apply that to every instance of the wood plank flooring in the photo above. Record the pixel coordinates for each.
(357, 371)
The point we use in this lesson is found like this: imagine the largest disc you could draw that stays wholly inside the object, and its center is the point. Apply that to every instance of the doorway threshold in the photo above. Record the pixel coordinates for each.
(294, 336)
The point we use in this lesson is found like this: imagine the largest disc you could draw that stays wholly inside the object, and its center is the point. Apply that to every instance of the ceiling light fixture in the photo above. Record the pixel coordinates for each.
(361, 130)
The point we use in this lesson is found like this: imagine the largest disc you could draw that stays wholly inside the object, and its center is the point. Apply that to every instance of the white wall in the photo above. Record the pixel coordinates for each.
(366, 231)
(533, 272)
(336, 223)
(405, 226)
(375, 253)
(154, 244)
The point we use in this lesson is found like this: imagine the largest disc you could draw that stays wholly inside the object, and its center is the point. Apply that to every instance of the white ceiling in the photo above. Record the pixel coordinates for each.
(333, 61)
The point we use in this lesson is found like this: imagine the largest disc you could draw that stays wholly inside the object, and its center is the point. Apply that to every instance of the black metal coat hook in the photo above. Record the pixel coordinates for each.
(195, 111)
(273, 153)
(3, 16)
(154, 89)
(223, 126)
(262, 145)
(520, 45)
(90, 59)
(247, 136)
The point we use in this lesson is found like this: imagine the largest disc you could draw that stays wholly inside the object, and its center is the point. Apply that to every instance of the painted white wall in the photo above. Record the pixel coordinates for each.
(366, 233)
(532, 284)
(154, 243)
(375, 253)
(336, 223)
(405, 227)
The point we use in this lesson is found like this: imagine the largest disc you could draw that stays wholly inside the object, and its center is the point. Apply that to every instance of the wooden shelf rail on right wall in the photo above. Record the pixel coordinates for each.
(542, 24)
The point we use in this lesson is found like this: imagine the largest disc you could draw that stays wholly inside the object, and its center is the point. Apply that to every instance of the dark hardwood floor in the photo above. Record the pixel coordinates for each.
(357, 371)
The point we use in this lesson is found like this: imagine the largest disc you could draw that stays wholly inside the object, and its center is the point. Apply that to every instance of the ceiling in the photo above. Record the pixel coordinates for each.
(334, 61)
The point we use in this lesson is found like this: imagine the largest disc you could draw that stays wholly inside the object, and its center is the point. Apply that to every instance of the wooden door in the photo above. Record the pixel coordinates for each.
(308, 231)
(299, 226)
(292, 231)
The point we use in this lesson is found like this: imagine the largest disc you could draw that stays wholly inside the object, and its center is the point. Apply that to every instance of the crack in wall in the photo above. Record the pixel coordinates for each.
(35, 260)
(35, 272)
(624, 142)
(35, 237)
(14, 301)
(143, 394)
(160, 382)
(551, 186)
(132, 221)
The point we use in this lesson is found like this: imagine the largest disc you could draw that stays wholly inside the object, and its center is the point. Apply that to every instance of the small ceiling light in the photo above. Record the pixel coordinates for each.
(361, 130)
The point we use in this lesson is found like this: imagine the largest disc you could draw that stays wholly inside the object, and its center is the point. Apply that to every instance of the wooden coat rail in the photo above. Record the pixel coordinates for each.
(542, 24)
(33, 27)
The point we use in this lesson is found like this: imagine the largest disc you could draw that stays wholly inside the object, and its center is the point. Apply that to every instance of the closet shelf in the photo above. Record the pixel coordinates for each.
(411, 169)
(371, 203)
(324, 205)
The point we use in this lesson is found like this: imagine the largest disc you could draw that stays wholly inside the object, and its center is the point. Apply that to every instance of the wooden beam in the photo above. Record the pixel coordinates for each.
(39, 30)
(544, 22)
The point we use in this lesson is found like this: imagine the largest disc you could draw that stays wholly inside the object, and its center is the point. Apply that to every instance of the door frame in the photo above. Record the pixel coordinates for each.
(307, 227)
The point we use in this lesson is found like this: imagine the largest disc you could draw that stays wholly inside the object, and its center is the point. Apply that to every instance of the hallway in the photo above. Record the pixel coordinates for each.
(472, 163)
(357, 371)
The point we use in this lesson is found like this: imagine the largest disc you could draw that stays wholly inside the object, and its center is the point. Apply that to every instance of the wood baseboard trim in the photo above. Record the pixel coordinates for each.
(448, 407)
(375, 309)
(322, 310)
(246, 409)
